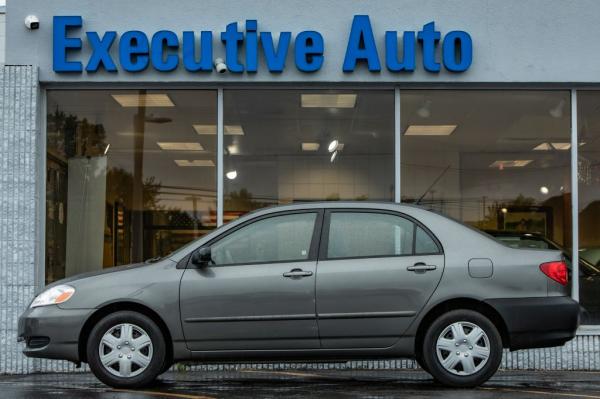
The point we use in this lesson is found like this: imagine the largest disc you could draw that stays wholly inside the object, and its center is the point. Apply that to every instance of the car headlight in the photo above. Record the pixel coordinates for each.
(53, 296)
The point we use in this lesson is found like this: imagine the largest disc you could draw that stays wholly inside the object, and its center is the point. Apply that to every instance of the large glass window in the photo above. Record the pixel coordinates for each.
(274, 239)
(496, 159)
(130, 175)
(589, 204)
(284, 146)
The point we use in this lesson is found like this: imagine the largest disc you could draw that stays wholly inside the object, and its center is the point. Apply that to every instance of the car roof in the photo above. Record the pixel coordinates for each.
(381, 205)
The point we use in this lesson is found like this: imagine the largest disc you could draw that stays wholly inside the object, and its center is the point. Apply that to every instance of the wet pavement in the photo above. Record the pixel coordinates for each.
(307, 384)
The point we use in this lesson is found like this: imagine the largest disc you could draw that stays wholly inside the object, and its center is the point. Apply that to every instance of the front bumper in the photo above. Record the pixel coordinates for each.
(538, 322)
(51, 332)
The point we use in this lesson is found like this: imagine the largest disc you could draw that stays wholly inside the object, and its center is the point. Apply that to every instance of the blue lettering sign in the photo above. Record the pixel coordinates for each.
(166, 50)
(189, 51)
(309, 48)
(62, 44)
(133, 51)
(161, 42)
(100, 51)
(361, 45)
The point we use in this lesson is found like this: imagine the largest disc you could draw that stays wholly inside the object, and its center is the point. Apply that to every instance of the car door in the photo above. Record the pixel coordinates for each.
(258, 292)
(376, 271)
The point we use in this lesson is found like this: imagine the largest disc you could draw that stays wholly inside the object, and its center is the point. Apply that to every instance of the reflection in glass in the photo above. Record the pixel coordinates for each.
(498, 160)
(286, 146)
(128, 176)
(588, 103)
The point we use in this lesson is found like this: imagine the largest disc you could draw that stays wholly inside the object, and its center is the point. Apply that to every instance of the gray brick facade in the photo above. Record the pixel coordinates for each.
(19, 202)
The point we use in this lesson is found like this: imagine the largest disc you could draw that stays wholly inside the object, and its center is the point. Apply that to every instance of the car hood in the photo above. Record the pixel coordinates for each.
(82, 276)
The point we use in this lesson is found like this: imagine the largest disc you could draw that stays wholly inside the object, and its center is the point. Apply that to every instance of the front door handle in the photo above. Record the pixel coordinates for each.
(297, 273)
(421, 267)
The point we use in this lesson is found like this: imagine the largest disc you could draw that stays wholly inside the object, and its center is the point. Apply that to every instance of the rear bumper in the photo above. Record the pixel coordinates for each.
(538, 322)
(51, 332)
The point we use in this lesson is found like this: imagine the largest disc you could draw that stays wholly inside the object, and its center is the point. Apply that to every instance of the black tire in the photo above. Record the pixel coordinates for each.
(421, 361)
(157, 359)
(449, 378)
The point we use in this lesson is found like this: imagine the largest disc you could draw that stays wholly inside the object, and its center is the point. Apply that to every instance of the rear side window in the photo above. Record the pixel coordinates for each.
(356, 234)
(424, 243)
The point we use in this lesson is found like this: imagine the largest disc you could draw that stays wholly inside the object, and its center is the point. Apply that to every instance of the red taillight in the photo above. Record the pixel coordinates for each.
(557, 271)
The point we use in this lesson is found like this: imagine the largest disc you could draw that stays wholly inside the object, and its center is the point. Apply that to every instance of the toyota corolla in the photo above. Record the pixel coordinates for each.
(314, 282)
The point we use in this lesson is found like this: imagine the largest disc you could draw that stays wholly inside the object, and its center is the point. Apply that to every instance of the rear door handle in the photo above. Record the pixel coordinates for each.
(421, 267)
(298, 273)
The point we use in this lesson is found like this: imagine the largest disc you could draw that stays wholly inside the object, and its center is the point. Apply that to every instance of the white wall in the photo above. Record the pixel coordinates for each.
(513, 40)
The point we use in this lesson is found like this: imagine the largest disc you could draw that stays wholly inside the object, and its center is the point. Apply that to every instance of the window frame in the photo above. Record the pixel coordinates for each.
(314, 240)
(327, 223)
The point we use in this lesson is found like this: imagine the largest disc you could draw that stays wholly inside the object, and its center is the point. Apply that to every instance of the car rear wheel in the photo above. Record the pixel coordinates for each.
(126, 350)
(462, 348)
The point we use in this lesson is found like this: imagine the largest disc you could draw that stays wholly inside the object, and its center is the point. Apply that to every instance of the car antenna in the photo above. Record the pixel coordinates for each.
(432, 184)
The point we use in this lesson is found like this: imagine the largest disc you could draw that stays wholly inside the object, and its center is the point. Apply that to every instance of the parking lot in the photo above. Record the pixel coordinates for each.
(307, 384)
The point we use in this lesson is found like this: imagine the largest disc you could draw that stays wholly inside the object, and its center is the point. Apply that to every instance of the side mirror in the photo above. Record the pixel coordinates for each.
(202, 257)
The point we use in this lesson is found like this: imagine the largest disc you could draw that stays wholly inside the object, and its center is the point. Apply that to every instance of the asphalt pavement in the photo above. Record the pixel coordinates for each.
(307, 384)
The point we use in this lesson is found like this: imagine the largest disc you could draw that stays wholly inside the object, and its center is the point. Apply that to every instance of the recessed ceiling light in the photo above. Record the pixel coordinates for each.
(195, 162)
(430, 130)
(234, 130)
(143, 100)
(233, 149)
(180, 146)
(561, 146)
(310, 146)
(232, 174)
(230, 130)
(519, 163)
(328, 100)
(542, 147)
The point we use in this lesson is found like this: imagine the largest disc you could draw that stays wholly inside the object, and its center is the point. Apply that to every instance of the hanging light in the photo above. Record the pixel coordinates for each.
(333, 146)
(333, 156)
(232, 174)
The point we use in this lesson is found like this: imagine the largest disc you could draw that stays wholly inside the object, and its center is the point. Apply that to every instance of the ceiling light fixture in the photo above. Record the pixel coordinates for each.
(542, 147)
(333, 146)
(544, 190)
(328, 100)
(233, 149)
(518, 163)
(169, 146)
(430, 130)
(232, 174)
(333, 156)
(195, 162)
(229, 130)
(557, 111)
(143, 100)
(424, 111)
(310, 146)
(561, 146)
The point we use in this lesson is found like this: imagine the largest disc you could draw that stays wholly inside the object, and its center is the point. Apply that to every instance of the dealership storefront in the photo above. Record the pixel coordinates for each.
(122, 139)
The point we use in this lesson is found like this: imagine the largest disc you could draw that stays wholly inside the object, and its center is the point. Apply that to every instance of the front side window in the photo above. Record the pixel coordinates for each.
(275, 239)
(366, 234)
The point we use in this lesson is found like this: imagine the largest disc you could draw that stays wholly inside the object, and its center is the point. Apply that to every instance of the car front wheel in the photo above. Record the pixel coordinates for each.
(126, 350)
(462, 348)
